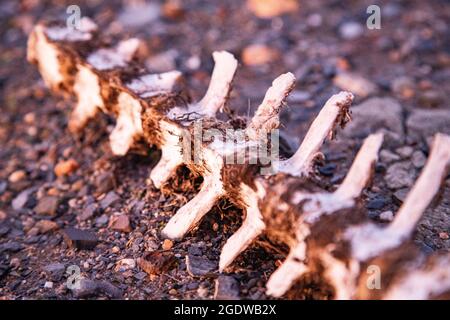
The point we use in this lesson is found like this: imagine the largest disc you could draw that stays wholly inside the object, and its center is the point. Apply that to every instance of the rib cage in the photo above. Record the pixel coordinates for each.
(329, 234)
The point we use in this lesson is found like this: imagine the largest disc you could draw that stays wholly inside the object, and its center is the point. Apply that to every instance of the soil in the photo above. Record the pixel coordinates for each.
(407, 60)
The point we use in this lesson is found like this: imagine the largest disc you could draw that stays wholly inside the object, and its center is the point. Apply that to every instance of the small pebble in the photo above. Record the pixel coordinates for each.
(66, 167)
(167, 244)
(15, 262)
(17, 176)
(271, 8)
(351, 30)
(387, 216)
(418, 159)
(120, 223)
(115, 249)
(173, 292)
(443, 235)
(258, 54)
(405, 152)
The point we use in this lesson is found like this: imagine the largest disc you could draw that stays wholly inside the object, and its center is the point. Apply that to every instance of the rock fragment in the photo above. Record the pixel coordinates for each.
(109, 200)
(200, 267)
(66, 167)
(167, 244)
(226, 288)
(45, 226)
(17, 176)
(272, 8)
(423, 124)
(125, 264)
(259, 54)
(355, 83)
(20, 201)
(387, 216)
(80, 239)
(55, 271)
(120, 223)
(47, 205)
(399, 175)
(375, 114)
(157, 262)
(89, 288)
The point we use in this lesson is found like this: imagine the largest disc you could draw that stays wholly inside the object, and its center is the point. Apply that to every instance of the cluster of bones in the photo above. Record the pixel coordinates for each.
(328, 233)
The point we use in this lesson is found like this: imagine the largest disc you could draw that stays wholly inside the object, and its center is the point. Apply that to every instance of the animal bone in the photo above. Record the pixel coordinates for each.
(340, 240)
(328, 233)
(253, 224)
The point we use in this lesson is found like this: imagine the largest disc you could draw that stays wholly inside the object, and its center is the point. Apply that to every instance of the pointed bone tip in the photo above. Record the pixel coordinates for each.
(156, 182)
(222, 265)
(129, 45)
(441, 146)
(375, 139)
(118, 148)
(169, 233)
(343, 98)
(286, 80)
(225, 57)
(273, 291)
(226, 258)
(171, 76)
(441, 138)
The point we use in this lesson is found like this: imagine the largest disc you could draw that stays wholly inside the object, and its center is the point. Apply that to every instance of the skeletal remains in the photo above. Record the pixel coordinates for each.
(328, 233)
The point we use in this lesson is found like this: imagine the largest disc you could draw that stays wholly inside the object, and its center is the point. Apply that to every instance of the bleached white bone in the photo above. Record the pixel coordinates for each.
(192, 212)
(46, 54)
(220, 84)
(422, 283)
(425, 188)
(150, 85)
(219, 88)
(291, 269)
(251, 228)
(300, 164)
(128, 124)
(267, 115)
(89, 99)
(318, 204)
(118, 56)
(215, 98)
(171, 154)
(342, 275)
(361, 169)
(370, 240)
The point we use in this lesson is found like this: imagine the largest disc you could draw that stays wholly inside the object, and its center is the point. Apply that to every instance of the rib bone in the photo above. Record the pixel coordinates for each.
(220, 85)
(268, 111)
(370, 240)
(267, 115)
(320, 204)
(251, 228)
(328, 234)
(335, 112)
(190, 214)
(213, 156)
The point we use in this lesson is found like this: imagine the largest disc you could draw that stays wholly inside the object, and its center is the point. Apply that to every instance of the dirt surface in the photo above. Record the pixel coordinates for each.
(404, 67)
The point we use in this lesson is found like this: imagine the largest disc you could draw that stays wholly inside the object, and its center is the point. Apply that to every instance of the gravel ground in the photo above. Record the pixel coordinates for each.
(51, 181)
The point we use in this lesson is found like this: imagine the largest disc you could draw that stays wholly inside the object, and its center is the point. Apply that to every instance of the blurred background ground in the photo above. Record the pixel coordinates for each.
(398, 73)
